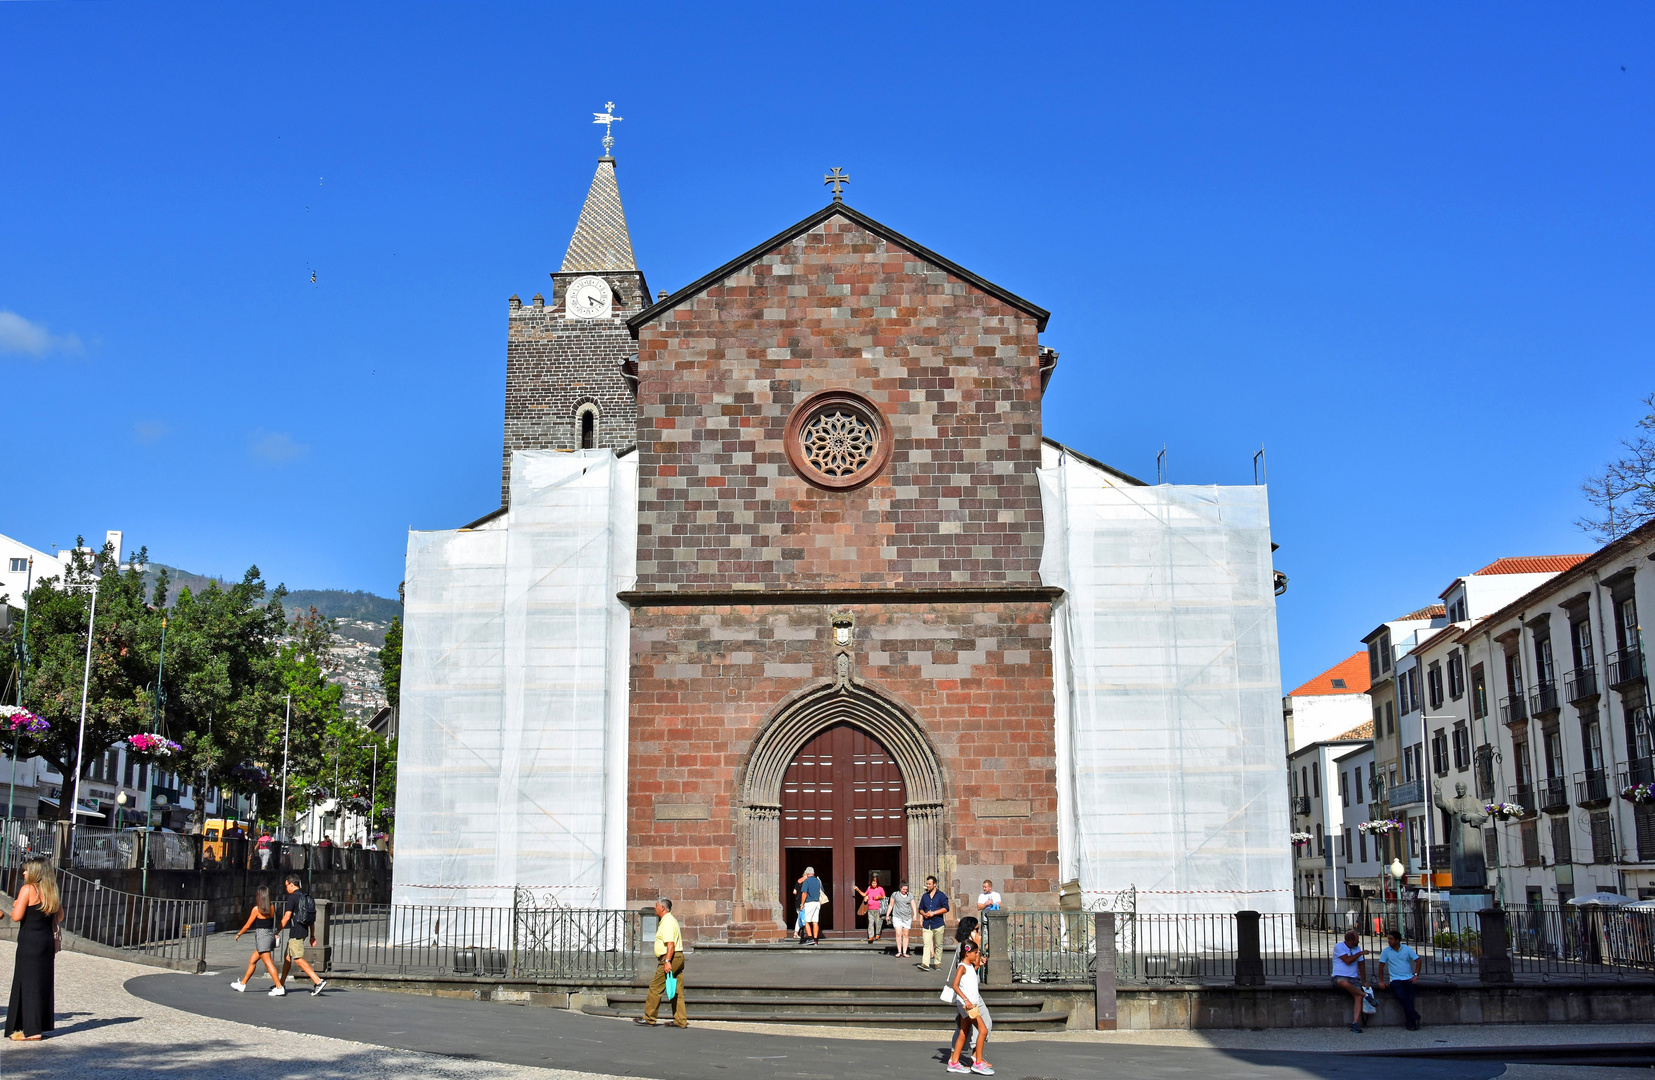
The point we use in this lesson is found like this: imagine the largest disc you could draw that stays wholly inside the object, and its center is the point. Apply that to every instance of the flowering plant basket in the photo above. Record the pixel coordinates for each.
(356, 804)
(153, 747)
(18, 722)
(1638, 793)
(1301, 838)
(250, 776)
(1380, 825)
(1505, 811)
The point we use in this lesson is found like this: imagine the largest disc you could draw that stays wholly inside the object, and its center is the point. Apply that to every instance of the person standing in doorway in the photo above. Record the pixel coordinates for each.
(901, 909)
(933, 910)
(1398, 968)
(669, 949)
(988, 899)
(299, 920)
(810, 905)
(873, 903)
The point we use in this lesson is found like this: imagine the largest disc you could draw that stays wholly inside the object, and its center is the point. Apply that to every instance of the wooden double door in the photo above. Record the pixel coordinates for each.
(842, 813)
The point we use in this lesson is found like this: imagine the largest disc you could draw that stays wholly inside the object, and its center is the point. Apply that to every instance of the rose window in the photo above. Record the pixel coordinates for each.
(838, 442)
(837, 439)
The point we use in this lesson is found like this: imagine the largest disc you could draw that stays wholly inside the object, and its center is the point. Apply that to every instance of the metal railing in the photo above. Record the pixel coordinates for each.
(1592, 787)
(1523, 795)
(1058, 946)
(1408, 794)
(576, 944)
(1625, 666)
(1543, 698)
(21, 840)
(1301, 805)
(1554, 794)
(1513, 709)
(1637, 771)
(1580, 684)
(145, 926)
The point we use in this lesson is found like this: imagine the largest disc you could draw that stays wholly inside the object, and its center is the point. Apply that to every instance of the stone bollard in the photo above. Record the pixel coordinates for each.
(1249, 960)
(1494, 964)
(997, 946)
(646, 947)
(1103, 926)
(324, 936)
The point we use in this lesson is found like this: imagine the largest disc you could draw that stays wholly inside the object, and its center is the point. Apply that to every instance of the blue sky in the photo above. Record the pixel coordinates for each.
(1408, 250)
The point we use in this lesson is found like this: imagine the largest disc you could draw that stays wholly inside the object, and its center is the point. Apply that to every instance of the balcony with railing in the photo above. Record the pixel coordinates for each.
(1580, 684)
(1543, 698)
(1554, 795)
(1513, 710)
(1301, 805)
(1592, 788)
(1626, 666)
(1640, 770)
(1407, 794)
(1524, 795)
(1442, 857)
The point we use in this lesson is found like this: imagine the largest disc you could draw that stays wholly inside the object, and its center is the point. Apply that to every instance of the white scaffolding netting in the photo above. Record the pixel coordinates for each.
(1169, 692)
(512, 756)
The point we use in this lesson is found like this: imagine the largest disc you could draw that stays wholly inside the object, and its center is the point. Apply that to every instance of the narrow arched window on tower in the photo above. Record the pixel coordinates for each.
(588, 430)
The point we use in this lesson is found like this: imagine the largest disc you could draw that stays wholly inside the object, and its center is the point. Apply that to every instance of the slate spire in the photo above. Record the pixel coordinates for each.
(601, 241)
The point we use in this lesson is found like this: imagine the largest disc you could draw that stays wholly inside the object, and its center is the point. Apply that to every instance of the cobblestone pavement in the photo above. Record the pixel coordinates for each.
(103, 1032)
(108, 1028)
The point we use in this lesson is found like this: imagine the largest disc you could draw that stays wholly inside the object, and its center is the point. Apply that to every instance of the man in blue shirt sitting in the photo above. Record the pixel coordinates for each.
(1398, 968)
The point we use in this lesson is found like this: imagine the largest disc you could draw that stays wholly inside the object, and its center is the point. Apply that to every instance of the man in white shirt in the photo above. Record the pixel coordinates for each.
(988, 899)
(1347, 974)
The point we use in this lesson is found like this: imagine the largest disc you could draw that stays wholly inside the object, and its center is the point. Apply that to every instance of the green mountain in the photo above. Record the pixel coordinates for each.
(330, 603)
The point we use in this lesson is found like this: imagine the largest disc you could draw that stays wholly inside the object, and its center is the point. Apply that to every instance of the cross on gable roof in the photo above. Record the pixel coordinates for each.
(654, 311)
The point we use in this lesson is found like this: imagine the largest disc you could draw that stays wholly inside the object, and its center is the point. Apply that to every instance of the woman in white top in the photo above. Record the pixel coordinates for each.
(968, 1000)
(1347, 975)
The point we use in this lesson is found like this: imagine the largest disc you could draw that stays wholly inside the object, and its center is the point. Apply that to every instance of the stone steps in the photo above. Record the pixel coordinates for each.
(842, 1007)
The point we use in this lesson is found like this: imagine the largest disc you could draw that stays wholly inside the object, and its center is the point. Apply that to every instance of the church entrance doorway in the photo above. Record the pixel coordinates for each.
(843, 813)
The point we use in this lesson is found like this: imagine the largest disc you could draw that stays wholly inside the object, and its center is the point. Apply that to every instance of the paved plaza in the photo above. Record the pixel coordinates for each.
(120, 1021)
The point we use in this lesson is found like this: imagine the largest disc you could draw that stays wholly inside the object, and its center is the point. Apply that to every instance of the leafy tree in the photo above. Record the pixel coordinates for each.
(390, 663)
(1625, 492)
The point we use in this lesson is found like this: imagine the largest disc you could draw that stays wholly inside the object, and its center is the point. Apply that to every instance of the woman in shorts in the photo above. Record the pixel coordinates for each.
(900, 906)
(262, 922)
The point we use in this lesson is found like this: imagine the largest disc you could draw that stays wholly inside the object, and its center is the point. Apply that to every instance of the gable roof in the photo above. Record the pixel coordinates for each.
(884, 232)
(1351, 671)
(601, 240)
(1094, 462)
(1531, 564)
(1429, 611)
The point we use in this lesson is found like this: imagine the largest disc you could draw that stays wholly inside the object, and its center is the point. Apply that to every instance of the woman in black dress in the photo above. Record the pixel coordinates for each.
(39, 913)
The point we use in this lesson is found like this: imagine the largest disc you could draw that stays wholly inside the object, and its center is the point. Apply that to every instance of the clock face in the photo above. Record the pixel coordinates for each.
(589, 298)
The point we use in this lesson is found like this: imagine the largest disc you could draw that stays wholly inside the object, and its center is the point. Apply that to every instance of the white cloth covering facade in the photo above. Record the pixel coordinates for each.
(512, 760)
(1168, 691)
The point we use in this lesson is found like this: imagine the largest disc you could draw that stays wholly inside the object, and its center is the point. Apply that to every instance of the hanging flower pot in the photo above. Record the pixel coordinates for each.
(19, 722)
(1300, 838)
(1504, 811)
(1638, 793)
(1380, 826)
(148, 747)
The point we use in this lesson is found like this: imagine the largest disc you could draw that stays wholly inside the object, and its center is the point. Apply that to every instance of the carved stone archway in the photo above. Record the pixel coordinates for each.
(758, 837)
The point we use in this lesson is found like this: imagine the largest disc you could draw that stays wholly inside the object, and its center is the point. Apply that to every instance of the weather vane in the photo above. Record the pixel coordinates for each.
(606, 118)
(836, 179)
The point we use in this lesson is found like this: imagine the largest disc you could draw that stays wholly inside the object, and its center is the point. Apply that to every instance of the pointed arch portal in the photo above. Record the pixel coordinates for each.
(844, 780)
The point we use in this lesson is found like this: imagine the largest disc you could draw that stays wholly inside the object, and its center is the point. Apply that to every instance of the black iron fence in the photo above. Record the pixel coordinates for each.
(1541, 943)
(572, 944)
(92, 848)
(144, 927)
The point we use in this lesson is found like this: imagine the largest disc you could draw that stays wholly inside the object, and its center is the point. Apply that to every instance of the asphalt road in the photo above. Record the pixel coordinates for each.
(560, 1039)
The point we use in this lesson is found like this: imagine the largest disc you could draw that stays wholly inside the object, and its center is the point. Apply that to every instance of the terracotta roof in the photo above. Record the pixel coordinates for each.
(1351, 672)
(1532, 564)
(1429, 611)
(1364, 730)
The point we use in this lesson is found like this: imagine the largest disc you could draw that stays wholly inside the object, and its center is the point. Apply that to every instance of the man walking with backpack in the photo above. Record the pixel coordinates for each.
(300, 921)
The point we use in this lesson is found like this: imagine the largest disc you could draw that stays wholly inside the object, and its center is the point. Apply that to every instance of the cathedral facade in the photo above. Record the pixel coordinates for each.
(820, 634)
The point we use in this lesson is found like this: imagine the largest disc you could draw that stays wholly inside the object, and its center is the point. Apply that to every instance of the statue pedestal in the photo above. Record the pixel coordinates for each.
(1461, 902)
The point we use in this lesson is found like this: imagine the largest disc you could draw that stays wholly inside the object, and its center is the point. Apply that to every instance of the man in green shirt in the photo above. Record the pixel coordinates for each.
(669, 949)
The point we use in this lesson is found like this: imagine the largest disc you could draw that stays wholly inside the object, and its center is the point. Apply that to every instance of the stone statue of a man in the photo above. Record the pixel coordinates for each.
(1466, 816)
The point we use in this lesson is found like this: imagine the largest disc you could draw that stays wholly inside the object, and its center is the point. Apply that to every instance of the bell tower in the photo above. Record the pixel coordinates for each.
(567, 386)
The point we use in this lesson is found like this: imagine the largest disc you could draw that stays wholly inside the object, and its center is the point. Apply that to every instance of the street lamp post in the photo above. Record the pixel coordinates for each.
(1398, 872)
(22, 671)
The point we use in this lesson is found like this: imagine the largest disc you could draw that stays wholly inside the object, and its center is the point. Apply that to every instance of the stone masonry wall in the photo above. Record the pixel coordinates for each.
(705, 680)
(555, 364)
(955, 370)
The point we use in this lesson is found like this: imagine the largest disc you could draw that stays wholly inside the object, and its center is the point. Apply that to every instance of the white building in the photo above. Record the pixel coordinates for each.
(1319, 812)
(1360, 851)
(1334, 701)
